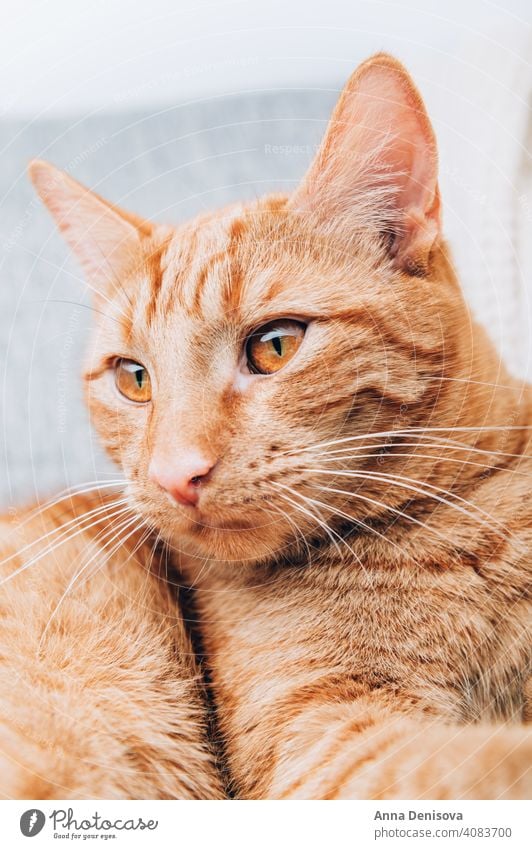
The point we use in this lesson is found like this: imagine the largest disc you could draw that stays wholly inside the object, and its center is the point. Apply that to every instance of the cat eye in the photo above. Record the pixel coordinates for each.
(273, 345)
(132, 380)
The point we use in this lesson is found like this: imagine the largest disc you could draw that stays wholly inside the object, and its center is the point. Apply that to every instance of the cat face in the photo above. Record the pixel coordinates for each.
(246, 369)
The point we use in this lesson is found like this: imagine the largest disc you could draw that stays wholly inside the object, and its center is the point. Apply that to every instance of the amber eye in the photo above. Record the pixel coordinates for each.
(273, 345)
(132, 380)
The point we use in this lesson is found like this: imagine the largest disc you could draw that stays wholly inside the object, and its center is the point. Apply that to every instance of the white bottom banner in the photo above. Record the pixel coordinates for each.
(235, 824)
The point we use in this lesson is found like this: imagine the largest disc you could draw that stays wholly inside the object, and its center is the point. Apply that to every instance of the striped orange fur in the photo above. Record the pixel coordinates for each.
(356, 527)
(101, 695)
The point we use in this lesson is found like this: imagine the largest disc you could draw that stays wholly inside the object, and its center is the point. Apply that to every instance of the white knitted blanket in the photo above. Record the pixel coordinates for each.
(485, 138)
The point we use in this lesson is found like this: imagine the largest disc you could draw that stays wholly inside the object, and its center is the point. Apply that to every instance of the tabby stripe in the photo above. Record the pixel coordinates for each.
(353, 727)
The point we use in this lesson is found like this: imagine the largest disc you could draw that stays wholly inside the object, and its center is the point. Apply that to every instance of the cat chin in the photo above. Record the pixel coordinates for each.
(191, 532)
(236, 545)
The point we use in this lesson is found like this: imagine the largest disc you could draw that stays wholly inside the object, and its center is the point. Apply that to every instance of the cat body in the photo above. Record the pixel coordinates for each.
(333, 457)
(101, 696)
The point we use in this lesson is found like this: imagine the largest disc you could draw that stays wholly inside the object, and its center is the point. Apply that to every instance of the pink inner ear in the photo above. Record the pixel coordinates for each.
(390, 116)
(103, 238)
(380, 145)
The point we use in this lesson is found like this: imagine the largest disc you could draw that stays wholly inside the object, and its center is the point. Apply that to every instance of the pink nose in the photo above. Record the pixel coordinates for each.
(183, 478)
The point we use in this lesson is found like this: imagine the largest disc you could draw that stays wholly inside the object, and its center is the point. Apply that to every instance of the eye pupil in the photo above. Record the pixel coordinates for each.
(139, 375)
(278, 345)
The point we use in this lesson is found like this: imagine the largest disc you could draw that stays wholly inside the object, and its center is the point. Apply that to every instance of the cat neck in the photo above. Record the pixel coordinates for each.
(488, 407)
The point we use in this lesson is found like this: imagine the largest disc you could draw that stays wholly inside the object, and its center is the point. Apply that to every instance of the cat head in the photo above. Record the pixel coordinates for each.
(253, 371)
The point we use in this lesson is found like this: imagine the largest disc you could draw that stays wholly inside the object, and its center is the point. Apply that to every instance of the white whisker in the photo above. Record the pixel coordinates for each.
(298, 532)
(310, 515)
(70, 492)
(325, 526)
(113, 532)
(415, 456)
(61, 529)
(436, 442)
(357, 521)
(410, 484)
(56, 543)
(395, 510)
(412, 431)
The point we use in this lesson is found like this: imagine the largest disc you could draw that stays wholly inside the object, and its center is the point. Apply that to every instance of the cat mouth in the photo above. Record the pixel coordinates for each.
(236, 516)
(202, 522)
(205, 524)
(210, 517)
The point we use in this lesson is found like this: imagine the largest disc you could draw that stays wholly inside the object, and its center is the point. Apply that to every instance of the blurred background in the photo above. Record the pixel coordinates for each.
(174, 106)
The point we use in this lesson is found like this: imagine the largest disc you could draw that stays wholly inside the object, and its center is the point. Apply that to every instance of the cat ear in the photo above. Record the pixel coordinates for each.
(105, 239)
(379, 159)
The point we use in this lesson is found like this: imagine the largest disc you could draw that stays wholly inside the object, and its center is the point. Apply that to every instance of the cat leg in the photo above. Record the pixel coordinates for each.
(363, 750)
(100, 696)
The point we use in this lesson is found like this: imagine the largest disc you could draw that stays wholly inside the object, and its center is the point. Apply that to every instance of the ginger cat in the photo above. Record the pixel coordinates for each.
(338, 464)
